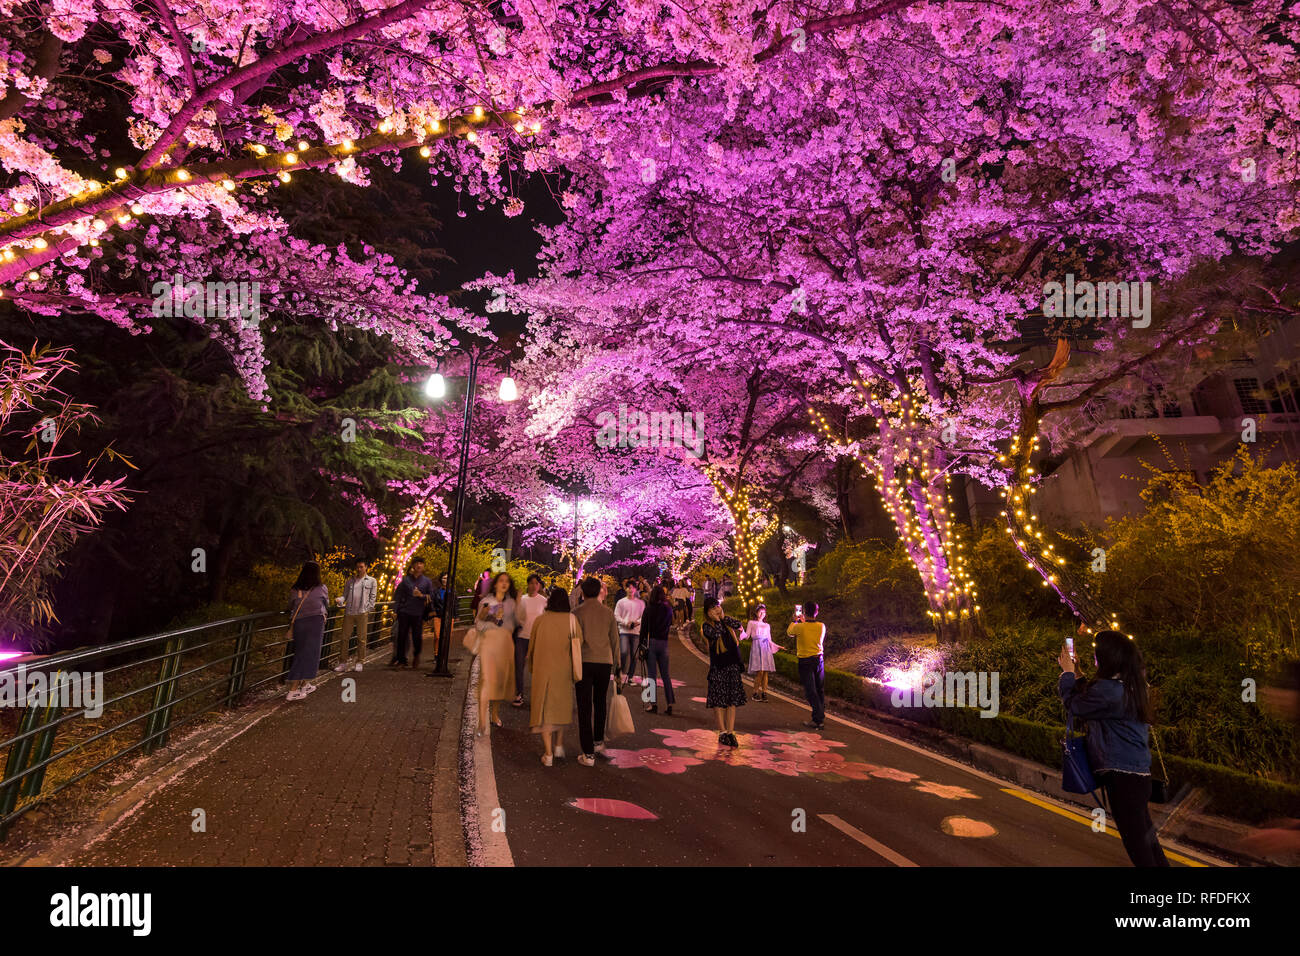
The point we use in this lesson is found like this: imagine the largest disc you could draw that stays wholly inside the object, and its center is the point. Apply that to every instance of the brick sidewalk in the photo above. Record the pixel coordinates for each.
(311, 783)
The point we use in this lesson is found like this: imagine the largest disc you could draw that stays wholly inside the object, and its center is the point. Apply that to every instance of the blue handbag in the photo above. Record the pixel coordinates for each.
(1076, 770)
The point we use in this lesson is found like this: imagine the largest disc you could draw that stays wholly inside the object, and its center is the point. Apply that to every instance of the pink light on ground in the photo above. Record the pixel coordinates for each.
(10, 655)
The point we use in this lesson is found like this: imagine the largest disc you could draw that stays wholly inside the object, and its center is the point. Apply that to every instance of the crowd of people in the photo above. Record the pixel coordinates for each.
(570, 644)
(548, 634)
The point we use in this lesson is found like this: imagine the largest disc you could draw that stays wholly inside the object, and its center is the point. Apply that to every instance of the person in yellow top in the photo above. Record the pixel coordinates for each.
(810, 634)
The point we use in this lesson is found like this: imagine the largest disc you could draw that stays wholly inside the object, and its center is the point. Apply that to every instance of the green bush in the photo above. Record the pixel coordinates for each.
(1218, 561)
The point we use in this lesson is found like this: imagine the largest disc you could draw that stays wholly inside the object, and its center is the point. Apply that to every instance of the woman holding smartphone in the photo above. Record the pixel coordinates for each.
(1117, 707)
(496, 621)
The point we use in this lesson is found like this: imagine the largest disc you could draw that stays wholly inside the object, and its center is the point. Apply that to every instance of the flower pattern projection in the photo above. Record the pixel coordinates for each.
(790, 754)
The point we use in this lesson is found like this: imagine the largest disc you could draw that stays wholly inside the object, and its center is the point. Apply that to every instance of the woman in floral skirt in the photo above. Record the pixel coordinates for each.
(726, 691)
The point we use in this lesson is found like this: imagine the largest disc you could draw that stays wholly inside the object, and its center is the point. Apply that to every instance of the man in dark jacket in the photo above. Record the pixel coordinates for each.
(599, 657)
(412, 597)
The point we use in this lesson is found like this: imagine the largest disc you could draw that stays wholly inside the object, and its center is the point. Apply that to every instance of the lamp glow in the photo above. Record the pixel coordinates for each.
(436, 386)
(508, 392)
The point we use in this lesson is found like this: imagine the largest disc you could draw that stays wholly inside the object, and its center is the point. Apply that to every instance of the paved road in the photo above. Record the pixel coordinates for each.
(862, 799)
(315, 782)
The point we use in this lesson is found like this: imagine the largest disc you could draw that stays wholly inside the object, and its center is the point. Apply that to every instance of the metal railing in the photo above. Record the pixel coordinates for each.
(150, 686)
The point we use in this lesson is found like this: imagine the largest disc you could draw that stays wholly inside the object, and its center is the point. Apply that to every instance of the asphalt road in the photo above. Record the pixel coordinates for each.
(670, 795)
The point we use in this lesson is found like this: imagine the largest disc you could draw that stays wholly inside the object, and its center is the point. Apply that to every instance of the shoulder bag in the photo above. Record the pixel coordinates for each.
(288, 635)
(575, 646)
(1076, 769)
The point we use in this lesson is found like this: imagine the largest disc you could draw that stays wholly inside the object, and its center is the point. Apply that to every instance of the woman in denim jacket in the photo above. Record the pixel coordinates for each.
(1118, 711)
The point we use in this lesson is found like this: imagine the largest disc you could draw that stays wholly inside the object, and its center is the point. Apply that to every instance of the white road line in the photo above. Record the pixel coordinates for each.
(875, 846)
(999, 782)
(494, 847)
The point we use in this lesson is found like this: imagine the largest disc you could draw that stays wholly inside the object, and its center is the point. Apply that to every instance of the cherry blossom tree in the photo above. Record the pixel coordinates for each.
(890, 203)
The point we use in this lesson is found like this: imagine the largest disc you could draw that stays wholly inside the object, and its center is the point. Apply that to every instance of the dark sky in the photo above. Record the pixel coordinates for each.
(488, 240)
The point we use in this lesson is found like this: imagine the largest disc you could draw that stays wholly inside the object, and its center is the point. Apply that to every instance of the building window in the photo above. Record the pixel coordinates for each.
(1281, 394)
(1251, 396)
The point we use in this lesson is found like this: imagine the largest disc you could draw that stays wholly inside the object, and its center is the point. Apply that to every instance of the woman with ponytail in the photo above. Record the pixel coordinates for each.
(1117, 707)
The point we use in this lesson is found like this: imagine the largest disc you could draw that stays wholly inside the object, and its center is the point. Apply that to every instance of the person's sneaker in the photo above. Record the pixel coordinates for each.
(294, 695)
(652, 708)
(732, 741)
(517, 702)
(722, 737)
(758, 697)
(340, 667)
(668, 711)
(308, 689)
(600, 746)
(587, 761)
(764, 693)
(559, 751)
(813, 724)
(546, 760)
(357, 668)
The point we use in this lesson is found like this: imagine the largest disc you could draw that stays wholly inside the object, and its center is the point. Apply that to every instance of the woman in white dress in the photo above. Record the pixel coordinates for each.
(761, 650)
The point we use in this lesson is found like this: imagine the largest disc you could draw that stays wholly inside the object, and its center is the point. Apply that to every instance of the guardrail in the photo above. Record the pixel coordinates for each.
(150, 686)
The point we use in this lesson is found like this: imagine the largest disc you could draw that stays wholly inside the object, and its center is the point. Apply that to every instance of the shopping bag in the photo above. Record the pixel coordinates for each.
(473, 637)
(619, 720)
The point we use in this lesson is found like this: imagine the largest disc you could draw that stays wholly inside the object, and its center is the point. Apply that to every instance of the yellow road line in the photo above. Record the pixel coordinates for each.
(1087, 821)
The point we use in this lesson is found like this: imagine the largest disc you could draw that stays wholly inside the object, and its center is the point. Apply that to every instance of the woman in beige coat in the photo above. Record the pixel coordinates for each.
(496, 650)
(550, 655)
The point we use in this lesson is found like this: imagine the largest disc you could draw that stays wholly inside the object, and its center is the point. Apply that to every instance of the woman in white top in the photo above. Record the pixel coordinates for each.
(761, 649)
(531, 606)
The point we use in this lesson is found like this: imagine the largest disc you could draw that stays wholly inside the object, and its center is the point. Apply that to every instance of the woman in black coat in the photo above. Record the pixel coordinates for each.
(726, 690)
(656, 622)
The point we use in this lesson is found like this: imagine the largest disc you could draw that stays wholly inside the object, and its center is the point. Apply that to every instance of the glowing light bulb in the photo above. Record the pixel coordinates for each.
(302, 145)
(478, 112)
(39, 242)
(426, 152)
(228, 185)
(183, 175)
(120, 172)
(284, 176)
(347, 145)
(436, 386)
(291, 158)
(20, 208)
(472, 136)
(33, 276)
(137, 209)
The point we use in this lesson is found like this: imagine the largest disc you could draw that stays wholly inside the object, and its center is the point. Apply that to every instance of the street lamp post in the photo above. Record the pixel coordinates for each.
(508, 393)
